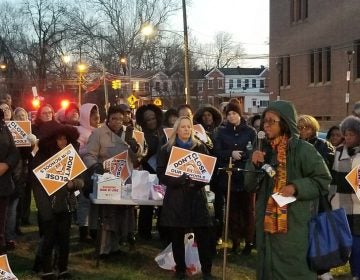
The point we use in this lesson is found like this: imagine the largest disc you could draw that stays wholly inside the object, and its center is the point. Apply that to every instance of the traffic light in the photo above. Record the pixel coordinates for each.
(65, 103)
(35, 103)
(116, 84)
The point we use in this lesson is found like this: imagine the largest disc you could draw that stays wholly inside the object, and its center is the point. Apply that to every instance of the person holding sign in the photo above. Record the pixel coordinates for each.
(55, 211)
(104, 143)
(185, 207)
(9, 156)
(347, 157)
(282, 232)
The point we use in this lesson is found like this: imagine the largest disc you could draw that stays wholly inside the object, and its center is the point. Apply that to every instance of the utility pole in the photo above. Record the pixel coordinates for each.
(186, 55)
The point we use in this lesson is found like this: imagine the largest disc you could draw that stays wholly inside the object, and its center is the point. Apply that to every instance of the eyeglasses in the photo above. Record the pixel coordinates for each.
(301, 127)
(46, 112)
(270, 121)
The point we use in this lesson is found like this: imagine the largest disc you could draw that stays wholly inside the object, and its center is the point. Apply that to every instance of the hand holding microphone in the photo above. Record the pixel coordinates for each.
(258, 156)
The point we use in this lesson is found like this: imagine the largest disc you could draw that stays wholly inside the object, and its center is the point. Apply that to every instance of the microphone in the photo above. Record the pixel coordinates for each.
(260, 138)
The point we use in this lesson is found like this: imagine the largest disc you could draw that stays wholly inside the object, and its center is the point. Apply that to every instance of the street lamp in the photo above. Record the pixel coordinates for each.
(350, 54)
(81, 67)
(279, 67)
(149, 30)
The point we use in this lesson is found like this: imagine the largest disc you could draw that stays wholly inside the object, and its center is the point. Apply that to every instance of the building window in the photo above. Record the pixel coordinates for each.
(320, 65)
(231, 84)
(157, 86)
(312, 67)
(246, 83)
(287, 59)
(328, 64)
(165, 86)
(262, 84)
(200, 85)
(238, 83)
(357, 58)
(254, 83)
(264, 103)
(298, 10)
(220, 83)
(210, 84)
(253, 102)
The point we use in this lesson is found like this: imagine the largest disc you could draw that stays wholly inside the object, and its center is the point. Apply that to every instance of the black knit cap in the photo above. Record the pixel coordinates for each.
(233, 107)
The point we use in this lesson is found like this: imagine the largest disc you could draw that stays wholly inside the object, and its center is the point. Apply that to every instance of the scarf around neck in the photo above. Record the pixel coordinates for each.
(185, 145)
(276, 217)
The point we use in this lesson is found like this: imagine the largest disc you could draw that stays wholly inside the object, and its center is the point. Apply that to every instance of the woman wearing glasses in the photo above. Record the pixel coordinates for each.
(282, 232)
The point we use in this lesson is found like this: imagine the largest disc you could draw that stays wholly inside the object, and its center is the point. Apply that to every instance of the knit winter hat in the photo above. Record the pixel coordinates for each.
(233, 107)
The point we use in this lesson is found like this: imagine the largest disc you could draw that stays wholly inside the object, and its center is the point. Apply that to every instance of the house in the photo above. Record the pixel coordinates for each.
(315, 56)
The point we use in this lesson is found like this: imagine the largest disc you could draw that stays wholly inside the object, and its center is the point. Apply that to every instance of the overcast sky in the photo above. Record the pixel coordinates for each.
(247, 20)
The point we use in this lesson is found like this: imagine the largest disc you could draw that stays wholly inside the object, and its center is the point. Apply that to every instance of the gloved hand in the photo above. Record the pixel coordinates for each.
(32, 139)
(129, 139)
(183, 180)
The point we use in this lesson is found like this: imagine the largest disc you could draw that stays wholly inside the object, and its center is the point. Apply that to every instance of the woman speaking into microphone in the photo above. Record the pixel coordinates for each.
(282, 232)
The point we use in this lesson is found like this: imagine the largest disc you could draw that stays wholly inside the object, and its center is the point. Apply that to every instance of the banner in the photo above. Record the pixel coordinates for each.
(353, 178)
(59, 169)
(199, 132)
(139, 137)
(20, 130)
(198, 166)
(5, 270)
(118, 166)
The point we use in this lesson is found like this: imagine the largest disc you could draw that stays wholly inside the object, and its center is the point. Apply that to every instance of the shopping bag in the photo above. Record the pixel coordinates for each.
(330, 238)
(140, 188)
(166, 259)
(157, 192)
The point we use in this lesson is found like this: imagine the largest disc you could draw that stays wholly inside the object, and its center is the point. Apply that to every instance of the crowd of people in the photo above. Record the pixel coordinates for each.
(305, 166)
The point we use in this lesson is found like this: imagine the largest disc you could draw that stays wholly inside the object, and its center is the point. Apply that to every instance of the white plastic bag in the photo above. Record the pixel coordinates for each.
(140, 188)
(166, 260)
(157, 192)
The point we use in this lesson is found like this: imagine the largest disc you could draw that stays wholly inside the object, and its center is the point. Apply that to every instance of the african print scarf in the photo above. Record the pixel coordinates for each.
(276, 217)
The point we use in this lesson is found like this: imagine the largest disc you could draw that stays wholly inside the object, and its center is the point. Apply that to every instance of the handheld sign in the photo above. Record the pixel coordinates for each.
(198, 166)
(5, 270)
(118, 166)
(19, 130)
(59, 169)
(168, 131)
(199, 132)
(353, 178)
(139, 137)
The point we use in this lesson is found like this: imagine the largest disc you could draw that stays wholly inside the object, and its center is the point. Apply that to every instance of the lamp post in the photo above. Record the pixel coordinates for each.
(350, 54)
(148, 30)
(279, 68)
(81, 67)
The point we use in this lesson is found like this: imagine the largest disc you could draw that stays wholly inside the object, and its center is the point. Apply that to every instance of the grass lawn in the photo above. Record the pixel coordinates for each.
(133, 265)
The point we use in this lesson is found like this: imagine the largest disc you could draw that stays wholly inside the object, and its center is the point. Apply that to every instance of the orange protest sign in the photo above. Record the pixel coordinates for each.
(59, 169)
(5, 270)
(19, 130)
(139, 137)
(353, 178)
(200, 132)
(198, 166)
(168, 131)
(118, 166)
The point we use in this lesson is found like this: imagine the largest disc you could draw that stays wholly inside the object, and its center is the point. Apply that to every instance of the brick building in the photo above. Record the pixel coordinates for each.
(311, 45)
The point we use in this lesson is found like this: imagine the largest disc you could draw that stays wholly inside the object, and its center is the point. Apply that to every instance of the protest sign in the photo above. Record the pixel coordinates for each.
(20, 130)
(59, 169)
(353, 178)
(139, 137)
(118, 166)
(199, 132)
(198, 166)
(168, 131)
(5, 270)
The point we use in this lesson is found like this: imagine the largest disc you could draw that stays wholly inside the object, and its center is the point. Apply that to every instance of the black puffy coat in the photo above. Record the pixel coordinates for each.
(185, 203)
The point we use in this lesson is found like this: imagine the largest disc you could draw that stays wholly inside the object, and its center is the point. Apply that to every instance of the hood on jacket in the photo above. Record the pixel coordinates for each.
(217, 117)
(287, 112)
(51, 130)
(85, 110)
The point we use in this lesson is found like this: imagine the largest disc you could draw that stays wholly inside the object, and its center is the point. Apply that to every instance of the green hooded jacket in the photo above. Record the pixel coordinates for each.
(284, 255)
